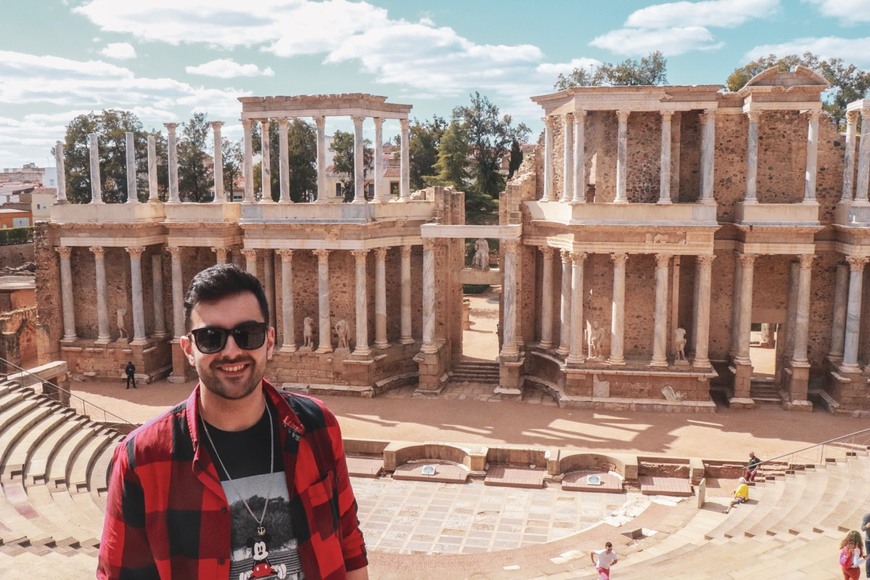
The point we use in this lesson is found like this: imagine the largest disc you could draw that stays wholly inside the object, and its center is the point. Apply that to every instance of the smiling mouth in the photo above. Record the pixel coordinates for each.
(233, 368)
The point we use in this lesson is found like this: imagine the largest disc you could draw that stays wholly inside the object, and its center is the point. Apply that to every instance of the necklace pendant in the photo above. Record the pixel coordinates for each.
(261, 531)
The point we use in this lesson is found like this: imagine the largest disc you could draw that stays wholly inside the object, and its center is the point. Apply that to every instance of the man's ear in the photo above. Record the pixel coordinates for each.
(187, 348)
(270, 343)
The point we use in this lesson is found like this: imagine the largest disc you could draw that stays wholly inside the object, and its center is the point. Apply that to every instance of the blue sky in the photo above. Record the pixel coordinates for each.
(166, 59)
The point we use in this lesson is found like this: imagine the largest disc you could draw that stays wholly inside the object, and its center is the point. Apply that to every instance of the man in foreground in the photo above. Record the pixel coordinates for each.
(603, 560)
(240, 480)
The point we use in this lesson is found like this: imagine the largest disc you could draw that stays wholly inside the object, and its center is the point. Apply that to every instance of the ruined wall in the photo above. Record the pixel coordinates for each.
(729, 171)
(643, 180)
(782, 157)
(16, 255)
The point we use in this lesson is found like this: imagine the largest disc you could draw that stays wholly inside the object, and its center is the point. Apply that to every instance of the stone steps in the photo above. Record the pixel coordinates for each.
(476, 372)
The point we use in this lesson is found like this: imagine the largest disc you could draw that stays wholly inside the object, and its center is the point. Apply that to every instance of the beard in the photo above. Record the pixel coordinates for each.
(232, 386)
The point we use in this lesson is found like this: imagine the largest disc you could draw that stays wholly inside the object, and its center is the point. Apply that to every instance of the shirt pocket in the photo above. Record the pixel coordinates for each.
(321, 502)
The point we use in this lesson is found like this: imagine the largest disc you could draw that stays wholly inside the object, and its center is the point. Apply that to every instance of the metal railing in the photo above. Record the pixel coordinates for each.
(70, 399)
(819, 453)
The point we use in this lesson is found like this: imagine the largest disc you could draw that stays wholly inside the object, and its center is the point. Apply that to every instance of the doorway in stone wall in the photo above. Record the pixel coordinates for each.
(480, 330)
(764, 346)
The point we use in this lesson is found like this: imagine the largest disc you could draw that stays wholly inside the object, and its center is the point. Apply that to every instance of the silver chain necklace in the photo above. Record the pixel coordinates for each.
(261, 529)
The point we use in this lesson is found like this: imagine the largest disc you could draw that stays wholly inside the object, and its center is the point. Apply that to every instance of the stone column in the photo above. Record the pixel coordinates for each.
(579, 157)
(130, 142)
(379, 195)
(362, 305)
(568, 157)
(405, 184)
(621, 156)
(812, 157)
(665, 159)
(849, 157)
(177, 293)
(381, 298)
(750, 195)
(220, 255)
(288, 318)
(617, 318)
(660, 333)
(802, 319)
(407, 337)
(708, 154)
(838, 328)
(172, 163)
(565, 306)
(152, 170)
(853, 314)
(218, 169)
(575, 356)
(320, 122)
(428, 345)
(863, 184)
(547, 299)
(265, 163)
(96, 180)
(157, 289)
(283, 161)
(324, 329)
(136, 294)
(735, 307)
(269, 283)
(66, 288)
(248, 161)
(359, 193)
(509, 348)
(61, 172)
(747, 263)
(250, 260)
(103, 334)
(549, 193)
(702, 312)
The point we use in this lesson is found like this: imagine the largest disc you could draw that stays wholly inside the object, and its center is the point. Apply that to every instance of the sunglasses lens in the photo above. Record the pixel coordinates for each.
(210, 339)
(250, 336)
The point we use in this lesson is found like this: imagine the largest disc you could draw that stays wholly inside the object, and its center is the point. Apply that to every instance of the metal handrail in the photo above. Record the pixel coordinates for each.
(821, 446)
(84, 402)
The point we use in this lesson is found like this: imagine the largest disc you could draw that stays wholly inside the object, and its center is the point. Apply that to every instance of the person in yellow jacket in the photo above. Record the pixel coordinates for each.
(741, 494)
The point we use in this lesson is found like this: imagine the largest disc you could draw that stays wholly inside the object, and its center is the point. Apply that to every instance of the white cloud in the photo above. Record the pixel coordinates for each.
(849, 12)
(714, 13)
(119, 51)
(223, 68)
(555, 69)
(670, 41)
(852, 50)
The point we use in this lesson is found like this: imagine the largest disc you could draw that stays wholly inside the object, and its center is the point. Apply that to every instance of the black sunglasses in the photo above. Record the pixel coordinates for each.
(212, 339)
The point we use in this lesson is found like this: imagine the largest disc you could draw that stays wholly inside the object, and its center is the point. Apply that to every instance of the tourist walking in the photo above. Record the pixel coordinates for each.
(603, 560)
(130, 371)
(241, 480)
(851, 555)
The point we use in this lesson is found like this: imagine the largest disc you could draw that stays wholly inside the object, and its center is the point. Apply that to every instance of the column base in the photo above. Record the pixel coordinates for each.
(159, 335)
(664, 202)
(362, 352)
(139, 342)
(323, 350)
(287, 348)
(382, 345)
(658, 363)
(408, 340)
(741, 403)
(577, 202)
(805, 406)
(429, 348)
(545, 345)
(561, 351)
(616, 362)
(575, 360)
(703, 363)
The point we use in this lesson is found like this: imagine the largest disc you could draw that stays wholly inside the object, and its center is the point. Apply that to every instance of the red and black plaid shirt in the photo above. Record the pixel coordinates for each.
(167, 515)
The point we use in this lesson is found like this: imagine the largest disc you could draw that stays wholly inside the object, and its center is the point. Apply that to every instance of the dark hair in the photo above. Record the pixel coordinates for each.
(221, 281)
(608, 545)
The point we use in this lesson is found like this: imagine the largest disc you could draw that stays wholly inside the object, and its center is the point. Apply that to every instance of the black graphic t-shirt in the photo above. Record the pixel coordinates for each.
(246, 456)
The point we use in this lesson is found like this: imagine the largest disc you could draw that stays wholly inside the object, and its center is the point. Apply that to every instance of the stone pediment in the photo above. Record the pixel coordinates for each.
(801, 76)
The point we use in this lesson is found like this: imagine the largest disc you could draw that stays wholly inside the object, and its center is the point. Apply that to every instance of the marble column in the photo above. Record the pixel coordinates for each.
(702, 312)
(621, 156)
(172, 162)
(660, 332)
(812, 157)
(218, 167)
(579, 194)
(547, 299)
(747, 263)
(157, 290)
(362, 305)
(617, 318)
(96, 180)
(735, 307)
(359, 191)
(381, 298)
(565, 306)
(103, 334)
(250, 260)
(429, 345)
(405, 160)
(269, 283)
(853, 314)
(220, 255)
(320, 122)
(750, 195)
(136, 294)
(130, 151)
(509, 348)
(838, 327)
(66, 288)
(575, 354)
(288, 318)
(802, 318)
(549, 193)
(324, 328)
(862, 186)
(380, 194)
(283, 161)
(265, 163)
(248, 160)
(708, 155)
(849, 156)
(178, 328)
(153, 197)
(61, 172)
(665, 159)
(568, 157)
(407, 336)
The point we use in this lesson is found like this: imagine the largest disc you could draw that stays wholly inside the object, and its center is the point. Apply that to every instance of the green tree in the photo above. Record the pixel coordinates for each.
(452, 165)
(231, 151)
(302, 150)
(195, 179)
(343, 160)
(650, 70)
(848, 82)
(425, 137)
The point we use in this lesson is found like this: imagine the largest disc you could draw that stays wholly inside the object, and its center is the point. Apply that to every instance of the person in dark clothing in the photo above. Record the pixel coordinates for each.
(865, 527)
(130, 371)
(751, 467)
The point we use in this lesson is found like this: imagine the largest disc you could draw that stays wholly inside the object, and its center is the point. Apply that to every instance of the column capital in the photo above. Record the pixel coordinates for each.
(812, 114)
(579, 115)
(381, 253)
(429, 244)
(403, 123)
(549, 121)
(320, 122)
(511, 245)
(247, 124)
(321, 253)
(286, 255)
(170, 127)
(135, 251)
(622, 115)
(754, 116)
(806, 260)
(406, 251)
(379, 122)
(358, 120)
(852, 117)
(64, 251)
(856, 263)
(565, 255)
(174, 251)
(747, 259)
(249, 252)
(619, 259)
(215, 125)
(568, 118)
(708, 115)
(666, 115)
(98, 251)
(360, 255)
(705, 260)
(578, 257)
(546, 250)
(663, 260)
